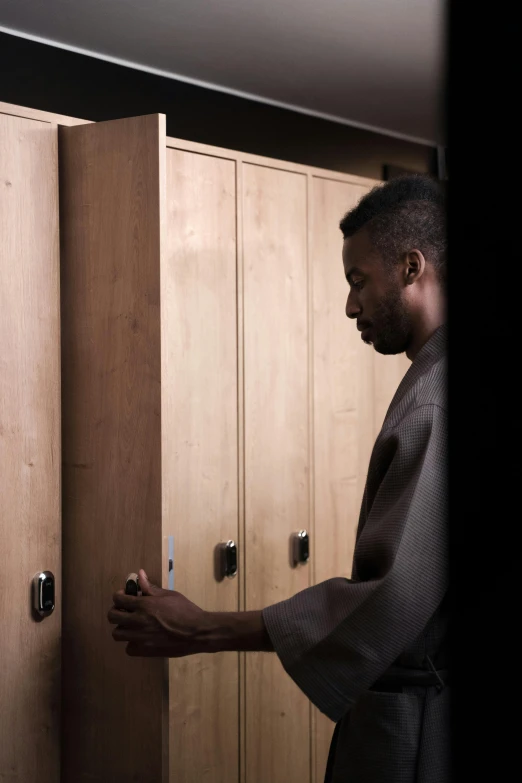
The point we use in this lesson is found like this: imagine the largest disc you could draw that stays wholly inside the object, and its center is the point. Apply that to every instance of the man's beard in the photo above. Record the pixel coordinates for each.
(391, 325)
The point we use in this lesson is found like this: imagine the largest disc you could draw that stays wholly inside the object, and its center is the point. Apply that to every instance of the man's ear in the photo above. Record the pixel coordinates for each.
(413, 267)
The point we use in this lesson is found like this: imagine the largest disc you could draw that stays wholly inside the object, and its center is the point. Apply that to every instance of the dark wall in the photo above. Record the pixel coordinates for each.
(51, 79)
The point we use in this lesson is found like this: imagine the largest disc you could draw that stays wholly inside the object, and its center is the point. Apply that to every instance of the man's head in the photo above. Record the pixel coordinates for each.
(394, 257)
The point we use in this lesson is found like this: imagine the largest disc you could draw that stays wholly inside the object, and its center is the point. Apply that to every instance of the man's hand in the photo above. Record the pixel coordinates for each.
(159, 623)
(163, 623)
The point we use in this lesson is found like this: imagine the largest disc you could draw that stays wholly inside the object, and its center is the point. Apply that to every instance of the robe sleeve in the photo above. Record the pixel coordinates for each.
(337, 638)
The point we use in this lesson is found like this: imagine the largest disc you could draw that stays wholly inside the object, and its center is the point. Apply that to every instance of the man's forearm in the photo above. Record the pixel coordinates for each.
(243, 631)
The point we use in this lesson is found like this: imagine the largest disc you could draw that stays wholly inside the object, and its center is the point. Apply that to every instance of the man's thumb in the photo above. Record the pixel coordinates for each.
(146, 587)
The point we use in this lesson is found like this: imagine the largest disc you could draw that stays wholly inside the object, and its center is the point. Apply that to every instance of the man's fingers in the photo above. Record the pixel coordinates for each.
(128, 602)
(131, 635)
(127, 619)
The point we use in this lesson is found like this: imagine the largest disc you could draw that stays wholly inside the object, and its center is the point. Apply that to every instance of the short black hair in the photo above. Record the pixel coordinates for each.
(405, 213)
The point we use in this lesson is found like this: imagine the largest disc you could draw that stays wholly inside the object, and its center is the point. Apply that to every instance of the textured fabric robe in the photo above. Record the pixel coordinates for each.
(337, 638)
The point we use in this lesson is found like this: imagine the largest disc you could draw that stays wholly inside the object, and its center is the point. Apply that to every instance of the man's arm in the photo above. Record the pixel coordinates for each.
(165, 623)
(337, 637)
(245, 631)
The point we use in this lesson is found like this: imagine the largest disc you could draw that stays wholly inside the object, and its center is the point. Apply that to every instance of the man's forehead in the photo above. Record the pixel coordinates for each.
(358, 252)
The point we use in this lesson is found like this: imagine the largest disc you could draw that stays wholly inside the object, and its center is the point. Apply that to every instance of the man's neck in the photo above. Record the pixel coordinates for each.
(424, 331)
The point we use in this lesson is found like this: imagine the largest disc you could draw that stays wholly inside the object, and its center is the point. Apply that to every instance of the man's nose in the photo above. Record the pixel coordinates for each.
(352, 308)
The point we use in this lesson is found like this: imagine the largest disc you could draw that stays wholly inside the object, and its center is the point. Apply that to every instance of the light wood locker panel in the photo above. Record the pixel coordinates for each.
(343, 407)
(200, 448)
(111, 204)
(276, 454)
(30, 525)
(388, 372)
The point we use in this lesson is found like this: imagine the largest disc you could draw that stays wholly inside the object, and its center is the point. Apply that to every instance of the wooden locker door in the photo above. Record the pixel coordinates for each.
(200, 448)
(343, 408)
(112, 202)
(276, 438)
(30, 452)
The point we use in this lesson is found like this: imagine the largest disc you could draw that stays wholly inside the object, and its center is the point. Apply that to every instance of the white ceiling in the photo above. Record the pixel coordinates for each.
(376, 63)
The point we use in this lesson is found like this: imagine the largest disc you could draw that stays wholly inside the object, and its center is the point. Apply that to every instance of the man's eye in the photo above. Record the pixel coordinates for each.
(357, 284)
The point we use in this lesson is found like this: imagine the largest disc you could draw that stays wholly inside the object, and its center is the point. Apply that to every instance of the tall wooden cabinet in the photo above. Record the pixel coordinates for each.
(212, 390)
(199, 425)
(30, 524)
(277, 450)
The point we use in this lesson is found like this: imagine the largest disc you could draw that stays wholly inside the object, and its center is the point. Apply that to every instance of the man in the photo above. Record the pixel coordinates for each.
(370, 652)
